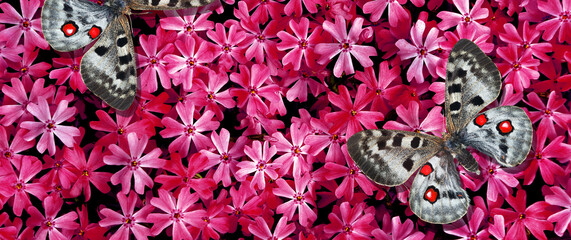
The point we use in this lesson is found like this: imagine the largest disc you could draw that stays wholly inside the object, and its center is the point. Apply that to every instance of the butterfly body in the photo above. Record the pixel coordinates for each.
(108, 68)
(390, 157)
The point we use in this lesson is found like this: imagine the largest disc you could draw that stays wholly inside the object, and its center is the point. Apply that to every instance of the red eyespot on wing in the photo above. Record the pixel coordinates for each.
(69, 29)
(481, 120)
(94, 32)
(505, 127)
(431, 194)
(426, 169)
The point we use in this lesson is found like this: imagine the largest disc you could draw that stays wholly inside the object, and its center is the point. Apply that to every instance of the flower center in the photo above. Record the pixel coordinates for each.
(303, 44)
(85, 173)
(26, 24)
(261, 166)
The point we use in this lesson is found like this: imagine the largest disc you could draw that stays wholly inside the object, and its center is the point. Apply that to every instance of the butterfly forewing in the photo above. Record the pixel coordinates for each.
(436, 194)
(472, 82)
(108, 68)
(389, 157)
(72, 24)
(504, 133)
(167, 4)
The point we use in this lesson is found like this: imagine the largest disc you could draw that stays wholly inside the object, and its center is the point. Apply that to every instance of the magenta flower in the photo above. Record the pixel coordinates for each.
(187, 22)
(261, 43)
(394, 229)
(24, 24)
(261, 230)
(292, 153)
(86, 169)
(386, 78)
(177, 212)
(131, 157)
(299, 199)
(260, 165)
(552, 112)
(347, 45)
(432, 123)
(153, 62)
(229, 45)
(264, 10)
(500, 182)
(61, 173)
(186, 177)
(301, 45)
(519, 68)
(188, 131)
(86, 229)
(562, 198)
(68, 66)
(19, 183)
(466, 17)
(542, 156)
(9, 54)
(304, 83)
(325, 139)
(473, 229)
(498, 227)
(49, 126)
(421, 51)
(10, 151)
(129, 220)
(396, 11)
(244, 208)
(208, 93)
(226, 157)
(253, 89)
(50, 224)
(212, 221)
(118, 130)
(532, 218)
(195, 54)
(27, 69)
(294, 7)
(559, 19)
(527, 40)
(349, 223)
(352, 115)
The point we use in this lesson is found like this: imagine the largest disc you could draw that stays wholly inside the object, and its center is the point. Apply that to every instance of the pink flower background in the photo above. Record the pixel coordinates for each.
(241, 122)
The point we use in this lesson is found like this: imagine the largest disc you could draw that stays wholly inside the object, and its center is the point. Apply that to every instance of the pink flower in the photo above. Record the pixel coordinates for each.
(186, 22)
(61, 173)
(10, 151)
(86, 229)
(9, 54)
(562, 198)
(542, 155)
(252, 91)
(230, 45)
(49, 223)
(177, 212)
(50, 125)
(432, 123)
(212, 221)
(265, 10)
(349, 223)
(208, 93)
(261, 230)
(130, 221)
(86, 168)
(23, 24)
(559, 19)
(118, 130)
(304, 82)
(226, 157)
(27, 69)
(185, 177)
(68, 66)
(466, 17)
(396, 11)
(394, 229)
(154, 62)
(19, 184)
(420, 51)
(519, 68)
(473, 229)
(131, 157)
(260, 165)
(500, 182)
(498, 228)
(294, 7)
(552, 112)
(244, 208)
(352, 115)
(301, 45)
(527, 40)
(347, 45)
(292, 153)
(298, 199)
(195, 54)
(188, 131)
(324, 139)
(380, 84)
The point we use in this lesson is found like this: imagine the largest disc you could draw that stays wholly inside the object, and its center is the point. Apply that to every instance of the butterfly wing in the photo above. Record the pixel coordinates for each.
(72, 24)
(389, 157)
(167, 4)
(472, 82)
(504, 133)
(436, 194)
(108, 68)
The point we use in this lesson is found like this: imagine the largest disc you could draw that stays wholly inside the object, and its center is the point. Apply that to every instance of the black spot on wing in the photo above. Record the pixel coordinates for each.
(121, 75)
(397, 140)
(477, 101)
(172, 3)
(407, 164)
(454, 88)
(415, 142)
(101, 50)
(455, 106)
(461, 73)
(124, 60)
(155, 2)
(504, 148)
(67, 8)
(381, 144)
(121, 42)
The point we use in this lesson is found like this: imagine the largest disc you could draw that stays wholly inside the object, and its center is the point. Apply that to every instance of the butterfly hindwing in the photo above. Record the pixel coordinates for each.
(72, 24)
(167, 4)
(108, 68)
(389, 157)
(472, 82)
(436, 194)
(504, 133)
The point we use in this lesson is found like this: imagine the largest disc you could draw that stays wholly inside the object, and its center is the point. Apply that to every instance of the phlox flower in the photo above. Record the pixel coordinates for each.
(260, 165)
(50, 224)
(465, 32)
(150, 106)
(432, 123)
(466, 17)
(87, 229)
(245, 206)
(294, 7)
(559, 21)
(552, 112)
(86, 171)
(68, 68)
(282, 230)
(49, 125)
(187, 22)
(526, 38)
(541, 156)
(229, 45)
(9, 53)
(349, 223)
(299, 199)
(519, 67)
(226, 156)
(352, 115)
(323, 139)
(24, 24)
(396, 11)
(292, 153)
(120, 128)
(153, 62)
(10, 151)
(380, 84)
(28, 69)
(302, 46)
(560, 197)
(498, 227)
(19, 183)
(186, 177)
(212, 221)
(129, 220)
(347, 45)
(421, 51)
(177, 212)
(265, 10)
(188, 131)
(532, 218)
(473, 229)
(184, 69)
(61, 173)
(131, 156)
(209, 93)
(500, 182)
(254, 85)
(255, 123)
(394, 230)
(7, 232)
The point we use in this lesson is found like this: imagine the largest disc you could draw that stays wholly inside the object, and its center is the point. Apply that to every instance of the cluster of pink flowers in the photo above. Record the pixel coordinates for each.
(241, 123)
